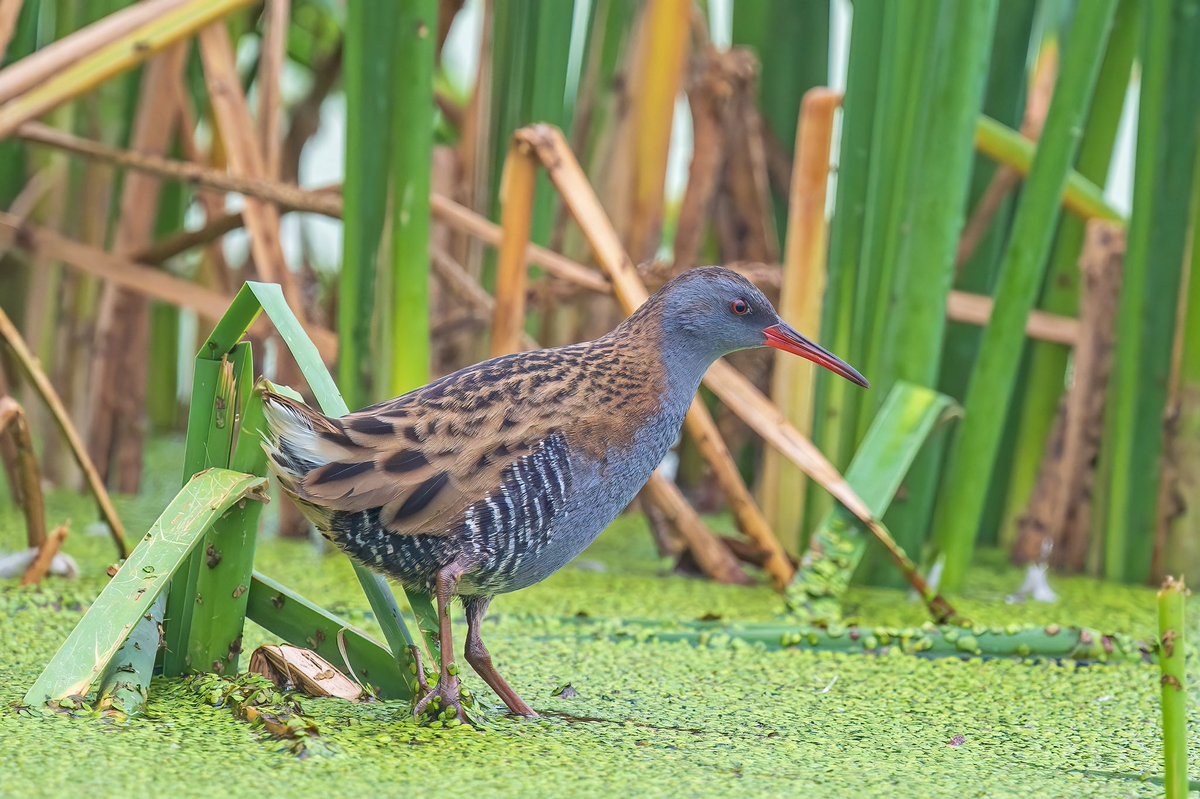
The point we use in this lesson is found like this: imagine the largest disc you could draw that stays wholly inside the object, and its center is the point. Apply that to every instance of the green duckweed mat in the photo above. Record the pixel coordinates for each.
(646, 719)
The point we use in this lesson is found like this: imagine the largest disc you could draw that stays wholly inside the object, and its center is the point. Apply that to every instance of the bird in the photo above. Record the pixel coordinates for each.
(494, 477)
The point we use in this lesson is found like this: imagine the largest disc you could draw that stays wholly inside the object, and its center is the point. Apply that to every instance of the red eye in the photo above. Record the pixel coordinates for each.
(740, 307)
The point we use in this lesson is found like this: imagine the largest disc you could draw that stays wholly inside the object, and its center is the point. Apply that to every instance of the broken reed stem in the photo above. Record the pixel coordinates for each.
(730, 386)
(50, 547)
(1172, 602)
(1055, 519)
(518, 185)
(165, 249)
(567, 176)
(10, 336)
(12, 417)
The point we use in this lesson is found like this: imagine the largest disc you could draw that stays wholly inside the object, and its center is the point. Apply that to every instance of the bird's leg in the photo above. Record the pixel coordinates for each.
(480, 660)
(447, 695)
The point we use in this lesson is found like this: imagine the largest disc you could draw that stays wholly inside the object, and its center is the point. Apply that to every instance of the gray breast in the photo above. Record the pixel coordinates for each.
(548, 535)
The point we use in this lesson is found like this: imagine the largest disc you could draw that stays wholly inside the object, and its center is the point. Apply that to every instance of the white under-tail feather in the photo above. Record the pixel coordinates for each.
(294, 448)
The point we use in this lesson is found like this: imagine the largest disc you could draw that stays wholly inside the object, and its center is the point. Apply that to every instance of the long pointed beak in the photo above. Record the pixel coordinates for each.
(784, 337)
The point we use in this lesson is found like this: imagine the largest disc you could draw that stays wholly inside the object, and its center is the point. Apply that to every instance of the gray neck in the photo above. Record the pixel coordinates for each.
(686, 354)
(685, 371)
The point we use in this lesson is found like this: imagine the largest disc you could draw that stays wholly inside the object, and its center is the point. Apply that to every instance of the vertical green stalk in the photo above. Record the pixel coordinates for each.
(832, 397)
(900, 127)
(1004, 100)
(367, 65)
(1130, 466)
(1172, 603)
(531, 44)
(1061, 293)
(547, 100)
(12, 150)
(976, 443)
(911, 337)
(1183, 536)
(412, 165)
(162, 396)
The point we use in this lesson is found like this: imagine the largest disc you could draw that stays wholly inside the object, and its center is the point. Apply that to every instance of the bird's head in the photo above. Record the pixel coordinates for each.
(712, 311)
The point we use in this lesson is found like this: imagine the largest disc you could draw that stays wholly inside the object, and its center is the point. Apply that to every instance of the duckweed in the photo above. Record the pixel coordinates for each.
(644, 716)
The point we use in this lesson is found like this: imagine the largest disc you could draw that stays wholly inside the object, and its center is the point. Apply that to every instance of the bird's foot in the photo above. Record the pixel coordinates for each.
(442, 706)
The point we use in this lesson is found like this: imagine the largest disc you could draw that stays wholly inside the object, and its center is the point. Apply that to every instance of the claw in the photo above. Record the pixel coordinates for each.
(422, 683)
(443, 703)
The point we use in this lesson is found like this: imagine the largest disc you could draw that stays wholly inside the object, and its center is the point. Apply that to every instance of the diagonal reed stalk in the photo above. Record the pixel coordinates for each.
(729, 385)
(172, 22)
(1048, 363)
(367, 66)
(975, 445)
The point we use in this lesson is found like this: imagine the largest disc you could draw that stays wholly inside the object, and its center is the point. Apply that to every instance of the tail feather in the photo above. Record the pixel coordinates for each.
(298, 440)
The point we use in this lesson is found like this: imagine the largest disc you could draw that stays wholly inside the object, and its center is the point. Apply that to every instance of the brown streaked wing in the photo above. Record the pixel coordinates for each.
(422, 464)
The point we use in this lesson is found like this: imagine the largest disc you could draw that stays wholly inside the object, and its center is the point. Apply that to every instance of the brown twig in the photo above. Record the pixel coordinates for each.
(327, 202)
(705, 98)
(118, 379)
(714, 559)
(153, 283)
(466, 288)
(235, 125)
(517, 189)
(48, 550)
(29, 365)
(270, 74)
(12, 418)
(165, 249)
